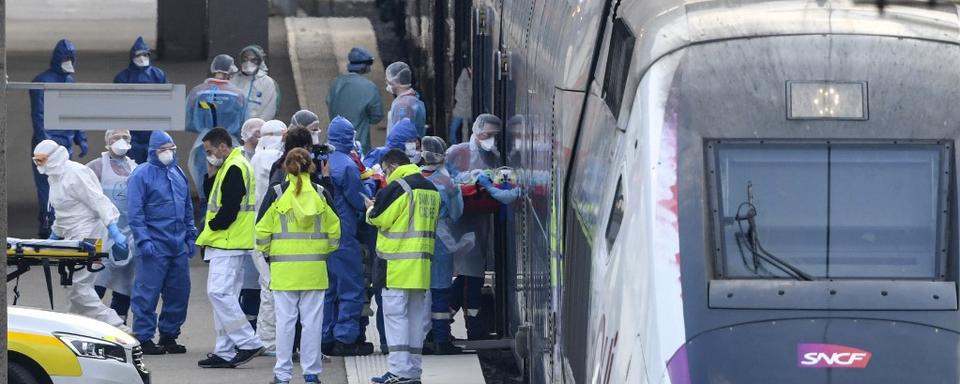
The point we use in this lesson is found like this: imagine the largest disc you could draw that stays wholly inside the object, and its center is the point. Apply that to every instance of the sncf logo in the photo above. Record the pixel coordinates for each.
(831, 356)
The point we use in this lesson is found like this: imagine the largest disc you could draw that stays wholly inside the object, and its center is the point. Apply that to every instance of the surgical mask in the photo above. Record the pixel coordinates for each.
(166, 157)
(315, 135)
(488, 144)
(67, 66)
(141, 61)
(412, 153)
(120, 147)
(248, 68)
(214, 161)
(389, 89)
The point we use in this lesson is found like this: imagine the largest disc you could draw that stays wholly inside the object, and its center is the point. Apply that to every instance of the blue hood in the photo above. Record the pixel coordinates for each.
(402, 132)
(157, 138)
(63, 50)
(138, 46)
(340, 133)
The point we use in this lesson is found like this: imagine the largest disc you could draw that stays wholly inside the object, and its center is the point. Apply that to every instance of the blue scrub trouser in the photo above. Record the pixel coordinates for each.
(440, 315)
(45, 214)
(156, 276)
(344, 298)
(466, 294)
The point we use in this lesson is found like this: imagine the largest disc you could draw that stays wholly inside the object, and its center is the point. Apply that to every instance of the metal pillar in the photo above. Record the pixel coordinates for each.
(182, 29)
(234, 24)
(3, 176)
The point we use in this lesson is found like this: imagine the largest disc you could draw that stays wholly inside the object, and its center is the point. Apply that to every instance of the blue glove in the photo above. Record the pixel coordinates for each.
(485, 181)
(54, 236)
(118, 238)
(148, 249)
(83, 148)
(191, 247)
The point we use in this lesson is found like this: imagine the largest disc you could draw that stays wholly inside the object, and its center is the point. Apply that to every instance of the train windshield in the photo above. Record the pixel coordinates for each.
(822, 211)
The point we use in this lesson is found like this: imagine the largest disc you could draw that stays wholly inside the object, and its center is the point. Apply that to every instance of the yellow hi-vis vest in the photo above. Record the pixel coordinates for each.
(298, 249)
(406, 213)
(240, 234)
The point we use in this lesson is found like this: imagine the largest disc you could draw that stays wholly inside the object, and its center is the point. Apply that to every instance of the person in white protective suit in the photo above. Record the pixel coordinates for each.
(250, 291)
(83, 212)
(260, 90)
(112, 168)
(269, 150)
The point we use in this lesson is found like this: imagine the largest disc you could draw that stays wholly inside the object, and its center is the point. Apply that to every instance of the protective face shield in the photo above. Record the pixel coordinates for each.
(410, 148)
(166, 155)
(119, 147)
(67, 66)
(142, 59)
(49, 157)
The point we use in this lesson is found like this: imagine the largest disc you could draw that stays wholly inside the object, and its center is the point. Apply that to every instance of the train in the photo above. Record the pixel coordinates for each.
(717, 191)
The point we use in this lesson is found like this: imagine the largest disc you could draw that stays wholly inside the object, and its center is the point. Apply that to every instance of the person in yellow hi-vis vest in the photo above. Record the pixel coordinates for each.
(405, 214)
(227, 238)
(296, 233)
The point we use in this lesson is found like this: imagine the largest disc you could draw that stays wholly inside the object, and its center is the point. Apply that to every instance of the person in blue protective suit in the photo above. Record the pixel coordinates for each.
(407, 102)
(441, 267)
(355, 97)
(161, 220)
(61, 70)
(466, 163)
(345, 296)
(140, 71)
(113, 168)
(213, 103)
(402, 136)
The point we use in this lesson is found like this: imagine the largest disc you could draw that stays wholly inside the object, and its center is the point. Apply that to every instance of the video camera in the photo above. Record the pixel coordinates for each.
(321, 152)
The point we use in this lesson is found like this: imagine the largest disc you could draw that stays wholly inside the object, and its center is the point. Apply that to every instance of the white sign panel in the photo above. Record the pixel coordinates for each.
(112, 106)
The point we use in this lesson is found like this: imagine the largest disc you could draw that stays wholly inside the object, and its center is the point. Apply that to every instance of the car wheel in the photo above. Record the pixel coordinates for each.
(18, 374)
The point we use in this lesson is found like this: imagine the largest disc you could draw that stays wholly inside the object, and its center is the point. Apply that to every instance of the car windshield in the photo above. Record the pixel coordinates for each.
(829, 210)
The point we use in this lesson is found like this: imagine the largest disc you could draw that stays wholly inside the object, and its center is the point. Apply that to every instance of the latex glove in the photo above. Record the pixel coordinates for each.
(191, 247)
(118, 238)
(84, 148)
(148, 249)
(485, 181)
(54, 236)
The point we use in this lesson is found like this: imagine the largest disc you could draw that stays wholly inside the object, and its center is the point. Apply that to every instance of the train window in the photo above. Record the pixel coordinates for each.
(618, 65)
(616, 215)
(816, 211)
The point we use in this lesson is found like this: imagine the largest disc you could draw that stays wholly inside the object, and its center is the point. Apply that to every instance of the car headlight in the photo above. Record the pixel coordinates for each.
(89, 347)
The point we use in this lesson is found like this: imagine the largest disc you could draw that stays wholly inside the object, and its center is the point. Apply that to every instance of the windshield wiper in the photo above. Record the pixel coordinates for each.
(752, 240)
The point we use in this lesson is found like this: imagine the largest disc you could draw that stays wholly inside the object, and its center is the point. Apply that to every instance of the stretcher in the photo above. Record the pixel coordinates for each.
(69, 256)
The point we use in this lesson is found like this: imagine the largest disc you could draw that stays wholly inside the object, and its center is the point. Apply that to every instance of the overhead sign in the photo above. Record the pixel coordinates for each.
(99, 107)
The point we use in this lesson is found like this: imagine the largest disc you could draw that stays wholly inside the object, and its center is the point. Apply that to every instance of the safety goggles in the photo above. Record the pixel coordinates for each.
(41, 159)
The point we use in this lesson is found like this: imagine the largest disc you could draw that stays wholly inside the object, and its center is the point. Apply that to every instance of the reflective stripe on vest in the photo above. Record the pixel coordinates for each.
(411, 232)
(285, 233)
(213, 205)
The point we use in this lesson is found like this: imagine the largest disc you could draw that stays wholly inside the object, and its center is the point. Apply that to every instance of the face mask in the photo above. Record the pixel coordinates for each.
(119, 147)
(67, 66)
(166, 157)
(248, 68)
(390, 89)
(315, 135)
(214, 161)
(141, 61)
(488, 144)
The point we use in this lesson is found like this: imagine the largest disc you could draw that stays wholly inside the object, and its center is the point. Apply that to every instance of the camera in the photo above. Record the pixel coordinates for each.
(322, 151)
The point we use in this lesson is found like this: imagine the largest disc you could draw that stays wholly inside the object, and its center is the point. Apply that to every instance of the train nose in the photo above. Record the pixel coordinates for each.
(819, 351)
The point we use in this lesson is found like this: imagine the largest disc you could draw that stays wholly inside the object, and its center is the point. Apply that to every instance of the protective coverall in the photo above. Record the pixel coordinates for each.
(345, 296)
(135, 74)
(357, 99)
(113, 172)
(55, 74)
(214, 103)
(161, 218)
(269, 150)
(83, 212)
(259, 89)
(470, 266)
(407, 102)
(405, 131)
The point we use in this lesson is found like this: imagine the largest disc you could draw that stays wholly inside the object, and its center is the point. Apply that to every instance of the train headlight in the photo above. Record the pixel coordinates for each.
(826, 100)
